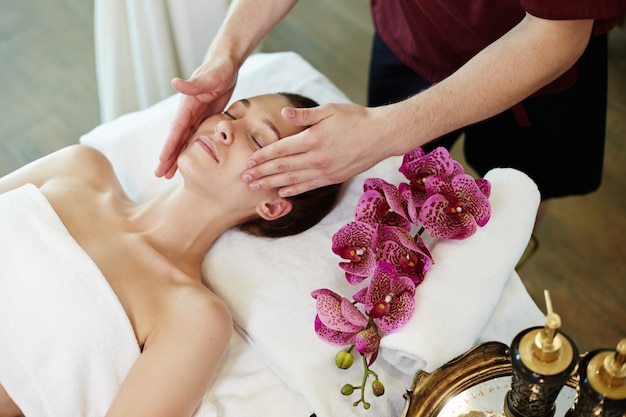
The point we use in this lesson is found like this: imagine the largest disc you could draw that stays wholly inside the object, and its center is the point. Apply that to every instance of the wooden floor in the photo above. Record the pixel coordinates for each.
(48, 97)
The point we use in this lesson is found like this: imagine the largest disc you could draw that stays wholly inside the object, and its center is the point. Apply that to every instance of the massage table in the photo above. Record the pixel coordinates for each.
(275, 364)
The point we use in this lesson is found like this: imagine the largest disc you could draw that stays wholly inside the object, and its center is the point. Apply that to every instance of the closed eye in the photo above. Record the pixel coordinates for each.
(255, 142)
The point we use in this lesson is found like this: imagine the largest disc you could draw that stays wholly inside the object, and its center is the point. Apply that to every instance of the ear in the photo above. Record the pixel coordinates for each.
(274, 209)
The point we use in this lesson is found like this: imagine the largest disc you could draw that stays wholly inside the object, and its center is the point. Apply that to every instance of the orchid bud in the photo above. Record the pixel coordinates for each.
(378, 388)
(344, 359)
(347, 389)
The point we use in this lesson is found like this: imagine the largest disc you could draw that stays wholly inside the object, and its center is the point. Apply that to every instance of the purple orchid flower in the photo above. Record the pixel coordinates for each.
(381, 203)
(355, 242)
(339, 322)
(384, 243)
(455, 207)
(408, 255)
(418, 167)
(389, 299)
(366, 342)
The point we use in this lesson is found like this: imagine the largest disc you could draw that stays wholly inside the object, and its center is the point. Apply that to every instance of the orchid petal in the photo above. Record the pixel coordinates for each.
(333, 337)
(355, 242)
(375, 208)
(418, 167)
(455, 208)
(390, 297)
(400, 313)
(410, 257)
(415, 198)
(366, 342)
(392, 211)
(337, 313)
(360, 295)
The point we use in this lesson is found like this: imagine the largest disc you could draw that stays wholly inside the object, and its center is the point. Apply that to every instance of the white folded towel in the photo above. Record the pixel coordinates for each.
(66, 343)
(463, 287)
(268, 283)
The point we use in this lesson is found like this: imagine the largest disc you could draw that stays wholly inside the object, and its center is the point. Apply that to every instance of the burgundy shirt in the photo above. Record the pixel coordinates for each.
(436, 37)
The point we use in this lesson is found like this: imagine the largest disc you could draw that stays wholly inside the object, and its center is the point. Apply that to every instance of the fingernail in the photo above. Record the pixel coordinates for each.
(285, 193)
(254, 186)
(247, 177)
(251, 163)
(290, 112)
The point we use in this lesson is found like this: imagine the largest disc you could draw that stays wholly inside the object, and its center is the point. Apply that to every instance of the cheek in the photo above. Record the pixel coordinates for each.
(208, 124)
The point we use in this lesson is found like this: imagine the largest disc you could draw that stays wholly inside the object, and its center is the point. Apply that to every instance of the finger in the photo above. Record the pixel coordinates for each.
(193, 86)
(166, 169)
(178, 128)
(178, 133)
(300, 180)
(162, 169)
(303, 187)
(292, 189)
(306, 116)
(170, 173)
(287, 146)
(184, 86)
(174, 144)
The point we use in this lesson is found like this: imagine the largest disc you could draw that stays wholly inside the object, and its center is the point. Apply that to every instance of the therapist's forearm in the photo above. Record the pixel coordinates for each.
(530, 56)
(246, 24)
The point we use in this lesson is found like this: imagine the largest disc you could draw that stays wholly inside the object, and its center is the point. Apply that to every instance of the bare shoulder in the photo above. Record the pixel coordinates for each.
(195, 310)
(210, 310)
(84, 162)
(181, 356)
(73, 161)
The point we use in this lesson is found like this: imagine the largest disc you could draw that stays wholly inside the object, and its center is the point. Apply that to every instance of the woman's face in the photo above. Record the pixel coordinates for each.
(223, 143)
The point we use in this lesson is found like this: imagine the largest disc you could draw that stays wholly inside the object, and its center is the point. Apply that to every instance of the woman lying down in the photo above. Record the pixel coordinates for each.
(150, 253)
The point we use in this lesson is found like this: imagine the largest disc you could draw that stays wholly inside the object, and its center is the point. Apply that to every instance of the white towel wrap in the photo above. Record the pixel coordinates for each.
(66, 343)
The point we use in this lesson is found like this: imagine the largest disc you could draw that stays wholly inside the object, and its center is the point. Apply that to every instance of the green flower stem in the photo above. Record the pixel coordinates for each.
(366, 374)
(372, 323)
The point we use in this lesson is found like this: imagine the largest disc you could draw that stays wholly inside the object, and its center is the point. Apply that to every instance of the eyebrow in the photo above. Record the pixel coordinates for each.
(246, 103)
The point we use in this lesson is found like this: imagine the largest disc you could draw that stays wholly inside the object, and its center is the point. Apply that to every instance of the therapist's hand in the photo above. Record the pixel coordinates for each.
(342, 142)
(206, 93)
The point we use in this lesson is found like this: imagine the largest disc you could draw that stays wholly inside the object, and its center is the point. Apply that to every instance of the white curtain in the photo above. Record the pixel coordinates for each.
(140, 45)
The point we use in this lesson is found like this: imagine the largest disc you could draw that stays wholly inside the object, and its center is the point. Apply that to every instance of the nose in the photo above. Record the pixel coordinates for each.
(225, 130)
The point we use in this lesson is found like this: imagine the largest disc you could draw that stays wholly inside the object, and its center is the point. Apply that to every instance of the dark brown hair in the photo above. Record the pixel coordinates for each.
(308, 208)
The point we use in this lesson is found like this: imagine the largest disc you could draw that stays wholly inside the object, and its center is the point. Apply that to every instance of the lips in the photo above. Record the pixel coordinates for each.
(208, 145)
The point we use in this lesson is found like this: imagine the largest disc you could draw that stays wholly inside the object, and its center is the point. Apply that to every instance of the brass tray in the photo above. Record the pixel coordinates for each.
(478, 380)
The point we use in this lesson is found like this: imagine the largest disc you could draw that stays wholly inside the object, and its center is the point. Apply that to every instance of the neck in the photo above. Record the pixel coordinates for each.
(183, 225)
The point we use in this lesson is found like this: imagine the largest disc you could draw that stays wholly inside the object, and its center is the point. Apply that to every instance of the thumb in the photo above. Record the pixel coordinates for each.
(305, 116)
(189, 87)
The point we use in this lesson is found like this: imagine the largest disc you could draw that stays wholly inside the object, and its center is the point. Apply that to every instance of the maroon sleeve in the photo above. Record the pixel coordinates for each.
(606, 13)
